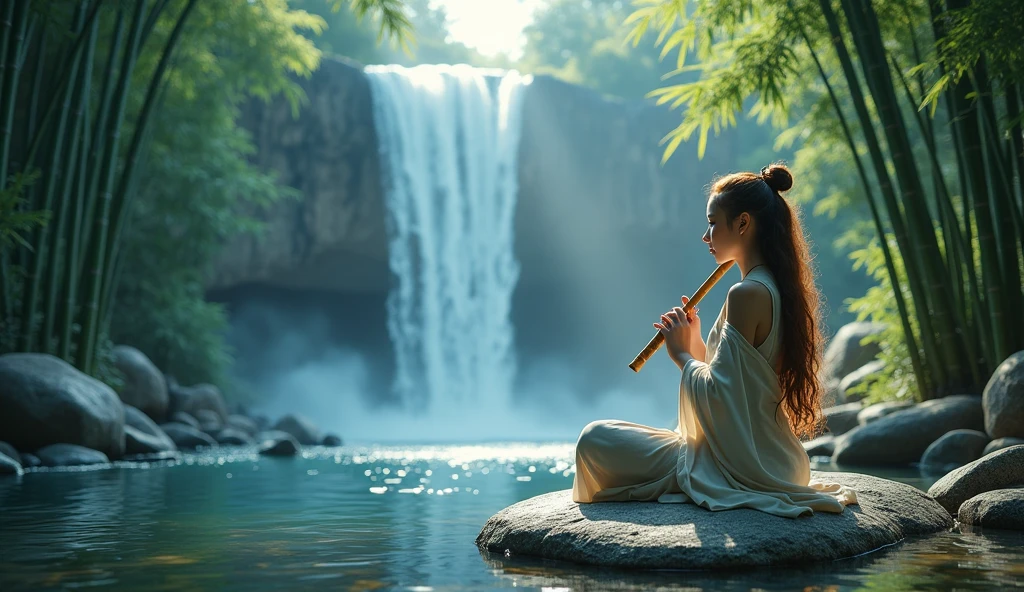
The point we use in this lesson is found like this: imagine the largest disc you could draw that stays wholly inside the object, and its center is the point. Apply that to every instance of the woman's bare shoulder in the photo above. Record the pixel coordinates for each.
(748, 305)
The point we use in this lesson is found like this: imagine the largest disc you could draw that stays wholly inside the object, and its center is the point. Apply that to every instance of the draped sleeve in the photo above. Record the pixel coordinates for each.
(740, 450)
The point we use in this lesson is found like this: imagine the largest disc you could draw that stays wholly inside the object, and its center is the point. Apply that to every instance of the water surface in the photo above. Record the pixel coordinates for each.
(379, 517)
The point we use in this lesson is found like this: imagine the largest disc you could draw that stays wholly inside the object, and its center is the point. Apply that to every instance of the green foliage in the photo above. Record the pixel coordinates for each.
(198, 180)
(15, 220)
(586, 43)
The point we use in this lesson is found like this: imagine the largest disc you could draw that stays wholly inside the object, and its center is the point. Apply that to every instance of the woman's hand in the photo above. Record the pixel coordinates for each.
(682, 332)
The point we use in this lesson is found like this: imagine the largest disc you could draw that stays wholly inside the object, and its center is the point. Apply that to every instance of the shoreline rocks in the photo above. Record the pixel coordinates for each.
(902, 437)
(647, 535)
(44, 400)
(998, 470)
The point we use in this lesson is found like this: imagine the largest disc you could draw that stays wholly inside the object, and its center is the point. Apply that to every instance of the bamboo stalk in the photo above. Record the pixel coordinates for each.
(39, 262)
(86, 353)
(98, 135)
(876, 217)
(938, 300)
(935, 370)
(12, 73)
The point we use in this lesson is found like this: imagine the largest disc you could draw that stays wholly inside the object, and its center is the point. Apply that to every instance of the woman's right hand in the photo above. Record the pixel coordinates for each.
(697, 345)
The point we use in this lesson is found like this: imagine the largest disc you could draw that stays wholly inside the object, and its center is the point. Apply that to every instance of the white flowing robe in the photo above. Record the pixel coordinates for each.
(734, 447)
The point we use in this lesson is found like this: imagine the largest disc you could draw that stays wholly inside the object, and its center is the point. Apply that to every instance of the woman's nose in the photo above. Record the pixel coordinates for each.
(706, 238)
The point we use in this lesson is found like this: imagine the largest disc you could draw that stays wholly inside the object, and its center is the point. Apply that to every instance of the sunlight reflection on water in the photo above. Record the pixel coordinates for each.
(376, 517)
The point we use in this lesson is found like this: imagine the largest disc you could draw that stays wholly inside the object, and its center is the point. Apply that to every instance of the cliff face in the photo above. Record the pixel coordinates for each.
(332, 237)
(589, 168)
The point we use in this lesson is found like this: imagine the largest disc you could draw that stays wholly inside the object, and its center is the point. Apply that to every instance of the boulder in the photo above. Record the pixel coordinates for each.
(154, 456)
(233, 437)
(857, 377)
(187, 437)
(142, 435)
(686, 536)
(9, 451)
(192, 399)
(1000, 443)
(9, 466)
(845, 354)
(242, 424)
(206, 417)
(144, 385)
(185, 418)
(332, 440)
(954, 449)
(1000, 509)
(1003, 399)
(880, 410)
(841, 418)
(30, 461)
(823, 445)
(45, 401)
(69, 455)
(286, 446)
(300, 428)
(902, 437)
(999, 470)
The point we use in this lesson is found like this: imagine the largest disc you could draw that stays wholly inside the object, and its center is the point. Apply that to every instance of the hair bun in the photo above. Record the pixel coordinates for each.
(778, 177)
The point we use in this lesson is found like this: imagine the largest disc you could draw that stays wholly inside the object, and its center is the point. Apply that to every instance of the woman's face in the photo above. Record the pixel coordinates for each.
(722, 242)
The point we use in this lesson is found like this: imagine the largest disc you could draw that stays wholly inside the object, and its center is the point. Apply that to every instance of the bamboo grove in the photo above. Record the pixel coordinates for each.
(70, 152)
(928, 98)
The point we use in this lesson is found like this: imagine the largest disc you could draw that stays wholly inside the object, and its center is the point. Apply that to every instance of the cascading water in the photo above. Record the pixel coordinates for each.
(449, 137)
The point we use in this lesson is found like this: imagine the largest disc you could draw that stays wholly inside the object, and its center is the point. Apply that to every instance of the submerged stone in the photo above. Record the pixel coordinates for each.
(650, 535)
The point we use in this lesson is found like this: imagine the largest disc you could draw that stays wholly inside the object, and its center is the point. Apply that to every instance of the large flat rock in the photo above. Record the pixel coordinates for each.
(649, 535)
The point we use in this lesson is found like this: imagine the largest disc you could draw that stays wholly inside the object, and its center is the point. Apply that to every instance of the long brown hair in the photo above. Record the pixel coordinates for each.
(781, 242)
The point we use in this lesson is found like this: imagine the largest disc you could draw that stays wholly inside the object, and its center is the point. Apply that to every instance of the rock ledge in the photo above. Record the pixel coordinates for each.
(685, 536)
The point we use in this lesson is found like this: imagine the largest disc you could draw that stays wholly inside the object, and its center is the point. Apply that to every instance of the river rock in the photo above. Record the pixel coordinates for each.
(187, 437)
(857, 377)
(687, 536)
(206, 417)
(902, 437)
(69, 455)
(845, 354)
(45, 401)
(332, 440)
(999, 470)
(142, 435)
(192, 399)
(243, 424)
(30, 461)
(1000, 509)
(10, 451)
(842, 418)
(954, 449)
(300, 428)
(285, 446)
(9, 466)
(880, 410)
(1000, 443)
(823, 445)
(185, 418)
(144, 385)
(1004, 399)
(233, 437)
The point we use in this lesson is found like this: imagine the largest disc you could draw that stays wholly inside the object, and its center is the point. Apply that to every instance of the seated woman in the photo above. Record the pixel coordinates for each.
(747, 394)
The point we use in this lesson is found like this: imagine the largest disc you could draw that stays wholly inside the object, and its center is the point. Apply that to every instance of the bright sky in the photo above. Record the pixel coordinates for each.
(490, 26)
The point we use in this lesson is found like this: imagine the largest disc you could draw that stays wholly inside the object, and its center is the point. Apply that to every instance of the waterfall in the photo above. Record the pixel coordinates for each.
(449, 137)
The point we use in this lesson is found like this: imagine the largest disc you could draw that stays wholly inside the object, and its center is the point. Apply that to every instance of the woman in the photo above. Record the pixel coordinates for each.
(747, 394)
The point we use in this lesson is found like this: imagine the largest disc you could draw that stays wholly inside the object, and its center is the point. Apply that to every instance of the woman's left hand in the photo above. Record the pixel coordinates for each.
(677, 329)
